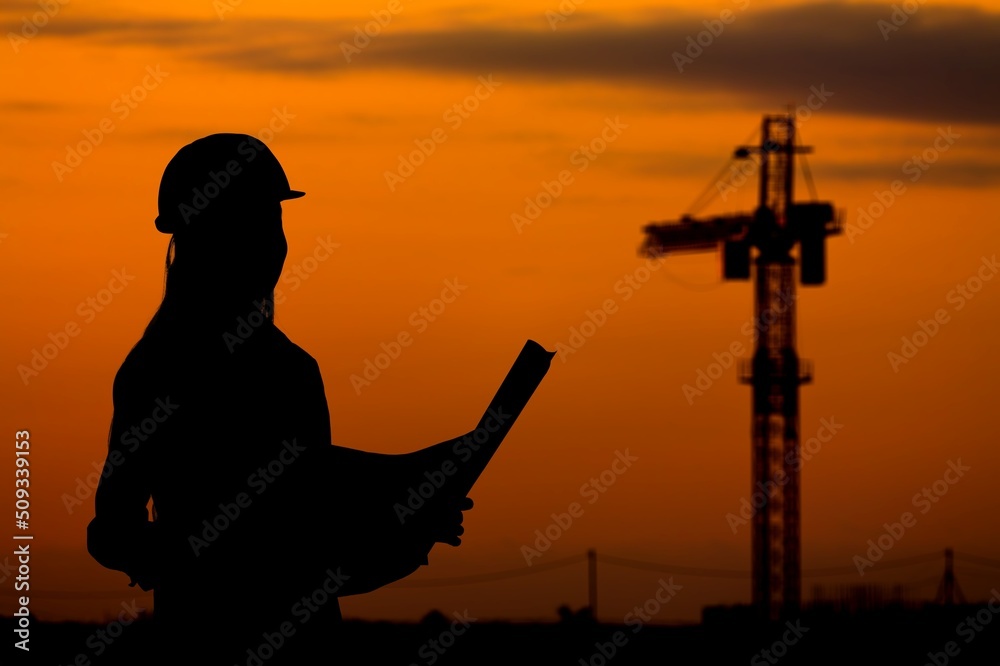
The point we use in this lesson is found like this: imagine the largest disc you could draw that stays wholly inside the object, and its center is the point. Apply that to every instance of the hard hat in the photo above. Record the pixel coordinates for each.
(215, 174)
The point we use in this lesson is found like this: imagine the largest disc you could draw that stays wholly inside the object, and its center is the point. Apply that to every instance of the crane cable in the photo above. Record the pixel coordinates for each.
(703, 199)
(806, 173)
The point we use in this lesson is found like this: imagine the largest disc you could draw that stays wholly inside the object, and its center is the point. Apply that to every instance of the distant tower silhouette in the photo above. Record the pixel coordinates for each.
(775, 228)
(592, 583)
(948, 589)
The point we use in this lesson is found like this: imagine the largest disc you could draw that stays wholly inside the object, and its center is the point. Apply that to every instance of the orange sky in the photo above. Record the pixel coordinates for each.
(342, 125)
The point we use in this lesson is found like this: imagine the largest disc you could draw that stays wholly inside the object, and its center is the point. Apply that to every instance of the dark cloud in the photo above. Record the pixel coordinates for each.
(971, 163)
(945, 172)
(941, 65)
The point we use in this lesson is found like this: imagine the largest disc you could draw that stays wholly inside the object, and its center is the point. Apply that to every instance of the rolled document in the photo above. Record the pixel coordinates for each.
(378, 500)
(450, 467)
(471, 453)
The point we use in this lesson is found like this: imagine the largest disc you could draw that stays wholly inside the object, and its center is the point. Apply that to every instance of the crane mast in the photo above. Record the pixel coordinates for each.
(769, 235)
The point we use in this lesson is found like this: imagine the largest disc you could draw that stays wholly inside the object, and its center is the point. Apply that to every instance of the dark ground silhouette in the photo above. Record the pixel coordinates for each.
(728, 636)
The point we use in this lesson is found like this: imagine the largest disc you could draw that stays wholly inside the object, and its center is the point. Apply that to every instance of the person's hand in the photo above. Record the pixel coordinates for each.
(438, 523)
(446, 524)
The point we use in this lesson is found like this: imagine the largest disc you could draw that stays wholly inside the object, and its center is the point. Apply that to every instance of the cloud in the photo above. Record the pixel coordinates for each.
(941, 65)
(964, 172)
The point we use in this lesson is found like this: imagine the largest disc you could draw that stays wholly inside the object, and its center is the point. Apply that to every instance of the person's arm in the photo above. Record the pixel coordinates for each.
(377, 539)
(121, 536)
(357, 495)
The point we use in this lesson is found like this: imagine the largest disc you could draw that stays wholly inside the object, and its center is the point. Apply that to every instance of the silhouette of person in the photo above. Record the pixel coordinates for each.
(258, 523)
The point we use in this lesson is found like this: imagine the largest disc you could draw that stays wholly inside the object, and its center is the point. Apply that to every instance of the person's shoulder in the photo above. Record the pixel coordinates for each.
(292, 352)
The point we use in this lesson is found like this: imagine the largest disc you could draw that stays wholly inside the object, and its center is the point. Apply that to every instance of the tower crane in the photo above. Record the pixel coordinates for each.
(768, 238)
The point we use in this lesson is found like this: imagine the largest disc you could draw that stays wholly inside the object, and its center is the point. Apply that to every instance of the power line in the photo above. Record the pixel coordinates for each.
(673, 568)
(895, 564)
(489, 577)
(659, 567)
(974, 559)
